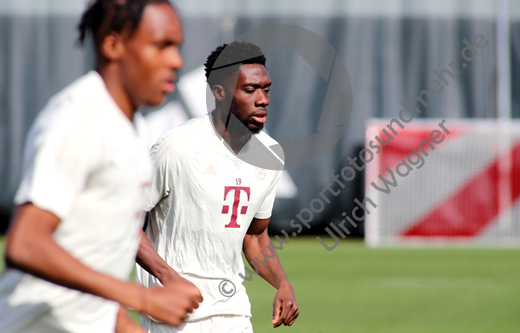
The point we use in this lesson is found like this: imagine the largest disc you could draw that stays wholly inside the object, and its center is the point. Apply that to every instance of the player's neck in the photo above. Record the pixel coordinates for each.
(116, 90)
(234, 134)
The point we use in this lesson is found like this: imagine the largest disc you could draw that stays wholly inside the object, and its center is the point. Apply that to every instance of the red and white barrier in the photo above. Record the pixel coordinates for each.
(467, 191)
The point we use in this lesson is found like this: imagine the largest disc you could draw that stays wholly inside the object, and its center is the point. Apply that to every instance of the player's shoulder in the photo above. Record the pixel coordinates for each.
(70, 111)
(74, 103)
(182, 139)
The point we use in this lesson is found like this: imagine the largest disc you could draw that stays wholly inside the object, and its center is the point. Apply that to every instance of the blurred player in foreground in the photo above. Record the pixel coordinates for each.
(207, 205)
(77, 227)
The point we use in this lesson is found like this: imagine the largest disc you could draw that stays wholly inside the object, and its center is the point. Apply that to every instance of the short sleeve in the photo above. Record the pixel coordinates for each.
(160, 186)
(60, 154)
(266, 207)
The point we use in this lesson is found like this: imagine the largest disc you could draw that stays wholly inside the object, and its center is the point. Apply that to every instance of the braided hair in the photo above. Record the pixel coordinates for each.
(105, 16)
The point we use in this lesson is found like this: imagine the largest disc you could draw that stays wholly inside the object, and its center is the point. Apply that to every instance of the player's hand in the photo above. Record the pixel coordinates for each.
(172, 303)
(124, 324)
(285, 309)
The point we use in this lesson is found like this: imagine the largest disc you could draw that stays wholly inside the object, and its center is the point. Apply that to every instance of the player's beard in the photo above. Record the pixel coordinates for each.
(245, 122)
(247, 126)
(242, 127)
(254, 130)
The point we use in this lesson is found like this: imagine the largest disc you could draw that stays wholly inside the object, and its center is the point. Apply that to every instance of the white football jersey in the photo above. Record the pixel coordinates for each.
(89, 165)
(202, 201)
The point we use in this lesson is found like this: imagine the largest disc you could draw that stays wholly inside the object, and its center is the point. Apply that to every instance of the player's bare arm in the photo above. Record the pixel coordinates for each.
(285, 308)
(148, 259)
(152, 262)
(31, 248)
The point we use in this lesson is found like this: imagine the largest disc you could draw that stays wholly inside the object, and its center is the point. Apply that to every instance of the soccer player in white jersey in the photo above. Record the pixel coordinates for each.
(77, 227)
(207, 204)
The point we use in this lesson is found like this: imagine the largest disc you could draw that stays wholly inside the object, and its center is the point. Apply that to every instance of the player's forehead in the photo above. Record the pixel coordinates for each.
(159, 23)
(255, 74)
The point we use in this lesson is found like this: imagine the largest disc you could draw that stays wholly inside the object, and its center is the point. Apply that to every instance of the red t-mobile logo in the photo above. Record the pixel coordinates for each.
(236, 202)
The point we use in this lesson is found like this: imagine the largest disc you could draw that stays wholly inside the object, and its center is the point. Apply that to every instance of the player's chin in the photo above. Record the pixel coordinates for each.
(156, 99)
(255, 127)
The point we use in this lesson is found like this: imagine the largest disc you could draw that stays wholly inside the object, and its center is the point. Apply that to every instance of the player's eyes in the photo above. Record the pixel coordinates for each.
(250, 90)
(164, 45)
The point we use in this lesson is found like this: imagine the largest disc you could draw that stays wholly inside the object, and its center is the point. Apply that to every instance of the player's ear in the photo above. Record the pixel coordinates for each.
(112, 46)
(219, 93)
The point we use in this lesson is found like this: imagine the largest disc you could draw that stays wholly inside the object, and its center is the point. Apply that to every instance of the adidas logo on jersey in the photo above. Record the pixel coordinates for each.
(210, 170)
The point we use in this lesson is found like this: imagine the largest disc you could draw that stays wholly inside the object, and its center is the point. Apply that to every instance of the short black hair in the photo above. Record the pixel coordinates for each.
(226, 59)
(105, 16)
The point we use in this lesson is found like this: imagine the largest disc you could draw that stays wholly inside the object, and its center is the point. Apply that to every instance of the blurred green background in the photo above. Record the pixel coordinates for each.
(357, 289)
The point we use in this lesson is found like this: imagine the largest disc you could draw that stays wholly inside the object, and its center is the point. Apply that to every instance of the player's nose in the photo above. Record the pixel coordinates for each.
(174, 59)
(262, 98)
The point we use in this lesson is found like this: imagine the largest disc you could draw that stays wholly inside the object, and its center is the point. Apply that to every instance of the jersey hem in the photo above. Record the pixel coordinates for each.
(191, 320)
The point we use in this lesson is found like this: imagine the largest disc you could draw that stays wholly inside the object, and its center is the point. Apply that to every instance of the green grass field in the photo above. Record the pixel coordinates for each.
(357, 289)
